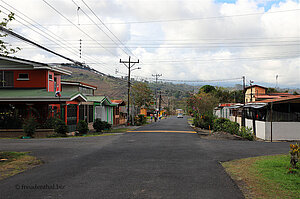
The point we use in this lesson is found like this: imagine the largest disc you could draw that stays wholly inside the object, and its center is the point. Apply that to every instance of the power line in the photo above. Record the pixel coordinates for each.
(77, 27)
(98, 26)
(51, 36)
(188, 19)
(36, 44)
(107, 27)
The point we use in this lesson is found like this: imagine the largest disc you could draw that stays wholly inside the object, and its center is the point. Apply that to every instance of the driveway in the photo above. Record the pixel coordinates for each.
(160, 160)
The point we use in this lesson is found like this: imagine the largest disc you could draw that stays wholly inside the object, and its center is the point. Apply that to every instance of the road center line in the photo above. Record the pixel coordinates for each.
(162, 131)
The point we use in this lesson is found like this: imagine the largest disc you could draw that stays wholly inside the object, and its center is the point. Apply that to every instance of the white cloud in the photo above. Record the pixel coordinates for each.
(256, 46)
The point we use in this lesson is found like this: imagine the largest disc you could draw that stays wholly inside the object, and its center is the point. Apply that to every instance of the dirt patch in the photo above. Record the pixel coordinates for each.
(206, 134)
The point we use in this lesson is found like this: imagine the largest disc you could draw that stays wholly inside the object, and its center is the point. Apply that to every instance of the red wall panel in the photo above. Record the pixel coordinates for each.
(36, 79)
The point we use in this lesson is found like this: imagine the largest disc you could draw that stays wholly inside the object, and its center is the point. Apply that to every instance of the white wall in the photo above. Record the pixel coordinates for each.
(236, 119)
(260, 129)
(284, 130)
(280, 130)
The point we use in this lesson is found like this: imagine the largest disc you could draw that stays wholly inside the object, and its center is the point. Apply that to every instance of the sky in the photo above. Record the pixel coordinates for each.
(191, 40)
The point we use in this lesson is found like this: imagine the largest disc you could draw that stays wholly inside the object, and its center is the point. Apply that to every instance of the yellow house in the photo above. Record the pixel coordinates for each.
(252, 92)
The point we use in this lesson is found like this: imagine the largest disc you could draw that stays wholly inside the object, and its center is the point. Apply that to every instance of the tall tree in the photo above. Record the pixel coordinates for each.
(5, 48)
(142, 94)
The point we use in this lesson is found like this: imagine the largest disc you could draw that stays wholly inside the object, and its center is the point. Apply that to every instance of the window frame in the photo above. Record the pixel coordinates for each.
(23, 78)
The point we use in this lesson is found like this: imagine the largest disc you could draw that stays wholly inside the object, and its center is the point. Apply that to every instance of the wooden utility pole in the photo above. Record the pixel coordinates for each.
(130, 68)
(244, 101)
(156, 78)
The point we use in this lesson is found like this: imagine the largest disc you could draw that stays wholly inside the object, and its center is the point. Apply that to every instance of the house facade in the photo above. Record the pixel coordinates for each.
(29, 88)
(253, 92)
(120, 113)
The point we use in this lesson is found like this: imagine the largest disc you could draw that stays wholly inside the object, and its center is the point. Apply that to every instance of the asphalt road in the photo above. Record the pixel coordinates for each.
(148, 163)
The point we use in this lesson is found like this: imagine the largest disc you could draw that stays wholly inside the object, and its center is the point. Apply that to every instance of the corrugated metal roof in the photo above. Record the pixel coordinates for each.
(37, 95)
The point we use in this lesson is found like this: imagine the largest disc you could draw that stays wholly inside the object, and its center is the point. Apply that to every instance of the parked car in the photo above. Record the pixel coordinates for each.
(180, 115)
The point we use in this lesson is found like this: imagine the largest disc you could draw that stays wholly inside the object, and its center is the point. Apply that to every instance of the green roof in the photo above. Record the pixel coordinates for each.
(37, 95)
(95, 98)
(100, 99)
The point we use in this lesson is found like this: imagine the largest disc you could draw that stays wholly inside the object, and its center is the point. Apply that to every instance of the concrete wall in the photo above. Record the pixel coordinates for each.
(236, 119)
(280, 130)
(283, 130)
(260, 129)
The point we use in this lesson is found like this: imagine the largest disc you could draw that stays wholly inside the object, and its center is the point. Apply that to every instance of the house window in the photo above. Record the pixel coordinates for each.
(6, 79)
(50, 77)
(23, 76)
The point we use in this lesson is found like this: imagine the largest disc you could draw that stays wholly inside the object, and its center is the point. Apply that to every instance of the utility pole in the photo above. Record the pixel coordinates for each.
(244, 92)
(130, 68)
(251, 89)
(159, 102)
(156, 77)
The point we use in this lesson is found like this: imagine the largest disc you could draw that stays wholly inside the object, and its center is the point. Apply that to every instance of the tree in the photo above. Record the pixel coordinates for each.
(272, 90)
(142, 94)
(6, 49)
(202, 103)
(207, 89)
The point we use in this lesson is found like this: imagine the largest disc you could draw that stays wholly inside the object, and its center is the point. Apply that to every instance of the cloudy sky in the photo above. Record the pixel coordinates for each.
(180, 39)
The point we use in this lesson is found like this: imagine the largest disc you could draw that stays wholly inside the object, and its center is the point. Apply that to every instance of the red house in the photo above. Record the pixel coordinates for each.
(29, 88)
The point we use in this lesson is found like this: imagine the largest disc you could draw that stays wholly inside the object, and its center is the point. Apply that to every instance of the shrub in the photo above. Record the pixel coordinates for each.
(107, 125)
(82, 127)
(50, 123)
(140, 120)
(294, 152)
(99, 125)
(218, 124)
(246, 133)
(206, 121)
(10, 121)
(231, 127)
(61, 129)
(29, 126)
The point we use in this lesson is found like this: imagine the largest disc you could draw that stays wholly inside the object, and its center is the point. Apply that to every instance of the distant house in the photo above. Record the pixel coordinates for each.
(120, 114)
(223, 110)
(252, 92)
(29, 88)
(104, 108)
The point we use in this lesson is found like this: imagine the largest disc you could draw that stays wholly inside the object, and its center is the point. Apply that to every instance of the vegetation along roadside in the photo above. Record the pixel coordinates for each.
(12, 163)
(265, 176)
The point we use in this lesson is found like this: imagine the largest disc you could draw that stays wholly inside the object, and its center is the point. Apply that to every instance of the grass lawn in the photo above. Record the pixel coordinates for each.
(16, 162)
(265, 177)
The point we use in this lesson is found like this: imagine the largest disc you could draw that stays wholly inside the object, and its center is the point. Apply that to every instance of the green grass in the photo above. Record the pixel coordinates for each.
(274, 172)
(10, 156)
(120, 130)
(265, 177)
(16, 162)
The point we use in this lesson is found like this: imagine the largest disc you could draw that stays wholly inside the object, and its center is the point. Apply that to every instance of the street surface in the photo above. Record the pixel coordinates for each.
(161, 160)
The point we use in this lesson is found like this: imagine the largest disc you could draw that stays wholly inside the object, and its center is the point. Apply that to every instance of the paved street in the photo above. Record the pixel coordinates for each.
(141, 164)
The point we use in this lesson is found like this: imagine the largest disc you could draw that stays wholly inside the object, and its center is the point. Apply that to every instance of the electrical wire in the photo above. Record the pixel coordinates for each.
(107, 28)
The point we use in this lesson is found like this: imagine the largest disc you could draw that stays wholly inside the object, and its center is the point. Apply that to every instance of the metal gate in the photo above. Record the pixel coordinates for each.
(72, 117)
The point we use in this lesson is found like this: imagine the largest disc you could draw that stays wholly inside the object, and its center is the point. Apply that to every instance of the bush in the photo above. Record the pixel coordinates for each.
(50, 123)
(29, 126)
(140, 120)
(231, 127)
(10, 121)
(61, 129)
(206, 121)
(99, 125)
(218, 124)
(246, 132)
(82, 127)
